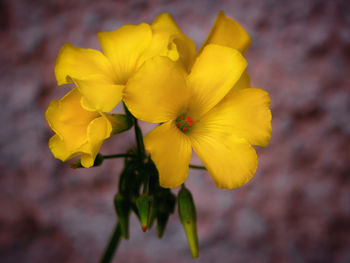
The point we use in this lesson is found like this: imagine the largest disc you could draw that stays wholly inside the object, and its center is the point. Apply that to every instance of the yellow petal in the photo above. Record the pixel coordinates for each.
(171, 151)
(98, 130)
(69, 120)
(157, 92)
(169, 40)
(227, 32)
(87, 160)
(243, 82)
(60, 150)
(213, 74)
(99, 94)
(124, 47)
(230, 161)
(244, 113)
(79, 63)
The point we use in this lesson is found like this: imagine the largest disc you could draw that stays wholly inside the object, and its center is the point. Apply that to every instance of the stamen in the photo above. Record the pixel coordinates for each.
(184, 123)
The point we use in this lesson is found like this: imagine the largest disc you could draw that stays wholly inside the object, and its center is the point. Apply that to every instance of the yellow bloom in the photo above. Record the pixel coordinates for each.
(212, 110)
(79, 131)
(229, 33)
(101, 77)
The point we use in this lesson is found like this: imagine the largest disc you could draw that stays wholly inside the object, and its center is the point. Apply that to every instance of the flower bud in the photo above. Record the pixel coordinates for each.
(162, 220)
(143, 204)
(122, 209)
(187, 214)
(119, 122)
(165, 203)
(152, 215)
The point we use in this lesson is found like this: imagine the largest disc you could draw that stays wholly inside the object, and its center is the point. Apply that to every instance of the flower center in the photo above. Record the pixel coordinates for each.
(184, 123)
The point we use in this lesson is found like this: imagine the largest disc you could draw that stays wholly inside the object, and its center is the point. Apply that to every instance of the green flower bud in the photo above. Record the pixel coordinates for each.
(130, 178)
(165, 203)
(162, 220)
(143, 204)
(122, 209)
(120, 122)
(187, 214)
(152, 215)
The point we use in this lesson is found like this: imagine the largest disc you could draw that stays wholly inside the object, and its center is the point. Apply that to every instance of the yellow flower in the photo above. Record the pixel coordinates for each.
(212, 110)
(79, 131)
(101, 77)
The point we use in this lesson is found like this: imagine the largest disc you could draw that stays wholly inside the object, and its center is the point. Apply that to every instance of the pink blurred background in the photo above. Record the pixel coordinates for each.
(296, 208)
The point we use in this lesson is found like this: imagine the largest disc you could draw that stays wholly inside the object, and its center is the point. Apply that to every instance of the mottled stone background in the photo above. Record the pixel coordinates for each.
(296, 208)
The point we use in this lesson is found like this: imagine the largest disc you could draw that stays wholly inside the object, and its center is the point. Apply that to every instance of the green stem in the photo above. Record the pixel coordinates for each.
(139, 140)
(138, 134)
(197, 167)
(112, 245)
(122, 155)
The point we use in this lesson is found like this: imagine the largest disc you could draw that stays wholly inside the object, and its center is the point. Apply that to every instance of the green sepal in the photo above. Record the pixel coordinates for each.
(119, 122)
(187, 214)
(143, 204)
(122, 209)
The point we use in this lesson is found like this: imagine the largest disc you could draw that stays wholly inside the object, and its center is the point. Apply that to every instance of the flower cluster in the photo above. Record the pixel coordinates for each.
(203, 99)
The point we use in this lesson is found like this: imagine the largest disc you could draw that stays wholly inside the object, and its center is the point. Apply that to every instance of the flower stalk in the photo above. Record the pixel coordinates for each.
(112, 245)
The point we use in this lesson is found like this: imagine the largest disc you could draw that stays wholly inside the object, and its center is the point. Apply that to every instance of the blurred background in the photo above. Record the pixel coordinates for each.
(296, 208)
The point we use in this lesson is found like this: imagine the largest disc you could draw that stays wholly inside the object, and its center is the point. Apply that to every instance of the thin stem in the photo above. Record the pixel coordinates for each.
(139, 140)
(122, 155)
(197, 167)
(127, 112)
(138, 134)
(112, 245)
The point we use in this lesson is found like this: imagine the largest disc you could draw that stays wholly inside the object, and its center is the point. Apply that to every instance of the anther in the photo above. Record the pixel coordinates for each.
(184, 123)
